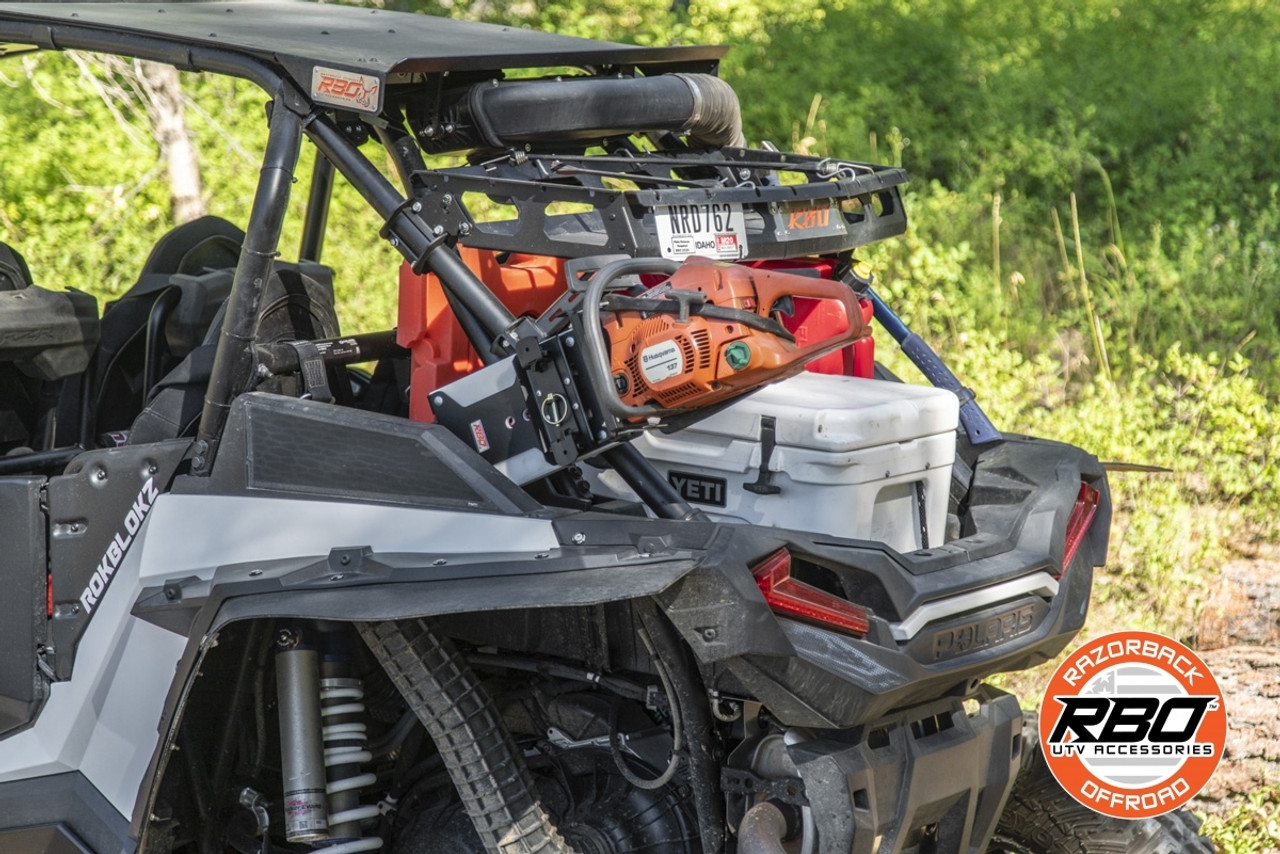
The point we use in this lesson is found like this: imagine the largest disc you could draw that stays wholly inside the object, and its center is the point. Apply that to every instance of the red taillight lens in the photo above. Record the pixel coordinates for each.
(48, 594)
(785, 595)
(1086, 507)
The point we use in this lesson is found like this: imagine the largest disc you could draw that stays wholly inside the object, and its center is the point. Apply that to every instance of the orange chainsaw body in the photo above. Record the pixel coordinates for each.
(657, 357)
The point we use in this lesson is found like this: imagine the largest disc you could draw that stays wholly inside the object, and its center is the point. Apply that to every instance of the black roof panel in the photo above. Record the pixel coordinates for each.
(297, 36)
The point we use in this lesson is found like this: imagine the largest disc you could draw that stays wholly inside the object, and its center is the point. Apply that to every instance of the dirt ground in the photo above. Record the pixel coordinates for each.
(1239, 638)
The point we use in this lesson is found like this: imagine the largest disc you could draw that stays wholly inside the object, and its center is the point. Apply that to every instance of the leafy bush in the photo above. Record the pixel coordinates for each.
(1254, 825)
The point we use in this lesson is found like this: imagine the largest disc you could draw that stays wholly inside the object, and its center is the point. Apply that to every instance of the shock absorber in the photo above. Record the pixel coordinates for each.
(323, 744)
(306, 815)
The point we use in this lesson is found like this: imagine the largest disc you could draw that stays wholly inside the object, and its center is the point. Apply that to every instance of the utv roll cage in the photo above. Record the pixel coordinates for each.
(338, 75)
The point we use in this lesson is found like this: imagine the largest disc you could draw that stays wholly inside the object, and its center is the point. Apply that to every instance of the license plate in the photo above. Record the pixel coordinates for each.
(712, 229)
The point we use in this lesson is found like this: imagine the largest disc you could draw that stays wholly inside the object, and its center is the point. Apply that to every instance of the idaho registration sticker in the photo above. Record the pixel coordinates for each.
(1133, 724)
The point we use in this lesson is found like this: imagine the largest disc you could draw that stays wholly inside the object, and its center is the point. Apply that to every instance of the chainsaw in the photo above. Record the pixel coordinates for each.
(632, 356)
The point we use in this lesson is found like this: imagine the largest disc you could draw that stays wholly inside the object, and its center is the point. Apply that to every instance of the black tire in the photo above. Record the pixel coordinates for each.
(1041, 818)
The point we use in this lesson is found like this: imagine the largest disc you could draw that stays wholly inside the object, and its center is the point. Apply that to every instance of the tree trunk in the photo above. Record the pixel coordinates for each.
(169, 124)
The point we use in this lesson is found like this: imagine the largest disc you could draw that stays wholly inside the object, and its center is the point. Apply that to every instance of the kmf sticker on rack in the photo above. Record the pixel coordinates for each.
(1133, 724)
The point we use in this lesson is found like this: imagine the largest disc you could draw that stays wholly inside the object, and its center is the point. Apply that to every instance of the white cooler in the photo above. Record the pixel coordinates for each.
(852, 457)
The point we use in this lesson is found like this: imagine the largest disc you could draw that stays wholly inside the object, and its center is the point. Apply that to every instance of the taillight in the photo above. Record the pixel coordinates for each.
(1086, 507)
(48, 594)
(785, 595)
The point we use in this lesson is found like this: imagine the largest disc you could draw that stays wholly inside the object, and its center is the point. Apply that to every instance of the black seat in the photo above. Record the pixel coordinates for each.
(145, 333)
(13, 269)
(297, 304)
(47, 338)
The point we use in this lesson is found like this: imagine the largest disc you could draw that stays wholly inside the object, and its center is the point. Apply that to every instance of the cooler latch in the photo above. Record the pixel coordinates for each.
(768, 441)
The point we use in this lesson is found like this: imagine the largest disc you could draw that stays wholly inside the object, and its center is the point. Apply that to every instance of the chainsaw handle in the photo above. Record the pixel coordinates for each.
(773, 285)
(597, 353)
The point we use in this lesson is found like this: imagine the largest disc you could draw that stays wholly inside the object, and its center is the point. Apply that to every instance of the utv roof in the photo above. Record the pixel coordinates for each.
(296, 37)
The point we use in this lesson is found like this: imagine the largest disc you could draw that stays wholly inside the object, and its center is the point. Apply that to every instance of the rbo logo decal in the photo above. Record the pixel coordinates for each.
(1133, 724)
(345, 89)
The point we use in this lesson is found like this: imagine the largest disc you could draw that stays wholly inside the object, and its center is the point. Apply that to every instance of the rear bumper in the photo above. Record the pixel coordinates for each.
(941, 619)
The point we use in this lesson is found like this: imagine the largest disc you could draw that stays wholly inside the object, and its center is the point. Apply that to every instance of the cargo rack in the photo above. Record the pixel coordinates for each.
(791, 205)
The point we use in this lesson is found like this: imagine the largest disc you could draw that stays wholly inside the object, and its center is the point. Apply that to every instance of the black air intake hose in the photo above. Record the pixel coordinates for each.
(483, 762)
(501, 115)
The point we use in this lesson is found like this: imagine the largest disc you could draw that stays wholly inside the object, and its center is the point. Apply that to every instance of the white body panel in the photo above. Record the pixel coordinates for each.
(104, 721)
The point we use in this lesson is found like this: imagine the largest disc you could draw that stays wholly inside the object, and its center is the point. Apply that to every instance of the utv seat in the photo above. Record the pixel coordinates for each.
(297, 304)
(163, 317)
(46, 338)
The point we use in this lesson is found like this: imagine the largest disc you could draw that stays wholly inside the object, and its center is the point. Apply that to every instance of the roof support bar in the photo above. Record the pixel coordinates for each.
(233, 365)
(417, 241)
(317, 209)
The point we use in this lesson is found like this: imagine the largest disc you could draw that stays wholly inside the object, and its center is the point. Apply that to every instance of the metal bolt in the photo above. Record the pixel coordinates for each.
(602, 435)
(101, 474)
(197, 462)
(395, 242)
(416, 207)
(447, 198)
(579, 538)
(709, 634)
(438, 230)
(344, 560)
(569, 342)
(286, 639)
(437, 400)
(464, 229)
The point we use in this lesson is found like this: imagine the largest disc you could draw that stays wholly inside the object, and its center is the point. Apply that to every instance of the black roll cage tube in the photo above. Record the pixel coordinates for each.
(484, 317)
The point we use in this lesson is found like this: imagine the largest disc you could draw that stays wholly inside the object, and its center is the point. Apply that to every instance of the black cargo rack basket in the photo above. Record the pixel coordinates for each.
(756, 203)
